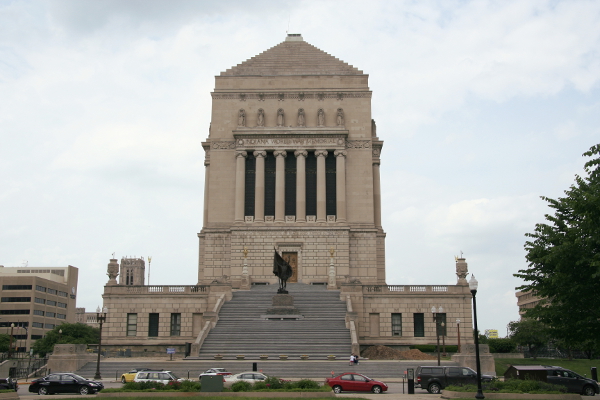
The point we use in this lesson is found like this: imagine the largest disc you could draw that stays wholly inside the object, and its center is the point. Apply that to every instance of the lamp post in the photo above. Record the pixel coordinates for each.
(458, 332)
(437, 329)
(12, 326)
(101, 318)
(473, 286)
(59, 335)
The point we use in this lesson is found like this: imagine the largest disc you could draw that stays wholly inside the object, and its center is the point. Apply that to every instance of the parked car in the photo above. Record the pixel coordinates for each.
(156, 376)
(64, 383)
(249, 376)
(130, 376)
(434, 379)
(214, 371)
(555, 375)
(574, 382)
(9, 384)
(353, 382)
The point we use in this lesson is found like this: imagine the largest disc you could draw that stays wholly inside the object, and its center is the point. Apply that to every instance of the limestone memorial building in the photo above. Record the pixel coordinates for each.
(292, 165)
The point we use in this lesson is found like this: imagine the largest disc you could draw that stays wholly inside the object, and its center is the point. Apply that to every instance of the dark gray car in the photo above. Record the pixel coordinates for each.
(574, 382)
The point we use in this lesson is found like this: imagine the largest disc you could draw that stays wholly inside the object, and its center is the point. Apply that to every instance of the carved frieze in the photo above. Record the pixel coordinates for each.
(358, 144)
(222, 145)
(290, 96)
(273, 142)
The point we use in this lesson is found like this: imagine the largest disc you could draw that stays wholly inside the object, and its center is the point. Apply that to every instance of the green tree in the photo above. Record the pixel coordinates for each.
(4, 342)
(564, 260)
(531, 333)
(71, 334)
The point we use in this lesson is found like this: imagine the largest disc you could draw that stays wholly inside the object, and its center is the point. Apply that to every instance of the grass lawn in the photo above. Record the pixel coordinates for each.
(582, 367)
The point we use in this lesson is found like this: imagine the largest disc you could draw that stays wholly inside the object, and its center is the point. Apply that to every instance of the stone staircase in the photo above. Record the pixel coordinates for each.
(241, 330)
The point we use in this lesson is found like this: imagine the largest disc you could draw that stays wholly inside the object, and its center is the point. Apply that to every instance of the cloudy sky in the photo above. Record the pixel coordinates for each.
(483, 106)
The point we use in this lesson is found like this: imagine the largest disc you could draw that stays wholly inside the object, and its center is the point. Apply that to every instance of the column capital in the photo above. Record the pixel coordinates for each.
(340, 153)
(377, 162)
(321, 153)
(260, 153)
(241, 154)
(301, 153)
(280, 153)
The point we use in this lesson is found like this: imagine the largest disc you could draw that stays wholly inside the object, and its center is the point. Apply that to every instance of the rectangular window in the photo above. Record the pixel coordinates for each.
(419, 322)
(250, 184)
(175, 324)
(21, 312)
(15, 299)
(51, 291)
(38, 312)
(50, 302)
(63, 294)
(61, 316)
(131, 324)
(311, 184)
(290, 184)
(40, 288)
(37, 325)
(49, 326)
(441, 323)
(396, 324)
(36, 337)
(50, 314)
(153, 324)
(330, 184)
(16, 287)
(61, 305)
(40, 301)
(270, 167)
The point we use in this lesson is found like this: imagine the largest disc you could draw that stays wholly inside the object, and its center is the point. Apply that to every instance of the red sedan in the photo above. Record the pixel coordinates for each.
(353, 382)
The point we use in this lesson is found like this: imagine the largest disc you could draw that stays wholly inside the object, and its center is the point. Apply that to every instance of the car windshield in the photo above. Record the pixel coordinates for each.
(367, 378)
(175, 377)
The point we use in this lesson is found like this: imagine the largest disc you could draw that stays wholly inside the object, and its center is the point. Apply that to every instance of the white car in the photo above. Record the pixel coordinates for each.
(157, 376)
(249, 376)
(214, 371)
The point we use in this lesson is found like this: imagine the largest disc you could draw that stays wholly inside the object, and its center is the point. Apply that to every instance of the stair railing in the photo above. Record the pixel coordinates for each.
(208, 325)
(350, 316)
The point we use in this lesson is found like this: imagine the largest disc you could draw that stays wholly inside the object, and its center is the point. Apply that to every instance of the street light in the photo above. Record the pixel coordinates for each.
(437, 328)
(100, 317)
(59, 335)
(458, 332)
(12, 326)
(473, 286)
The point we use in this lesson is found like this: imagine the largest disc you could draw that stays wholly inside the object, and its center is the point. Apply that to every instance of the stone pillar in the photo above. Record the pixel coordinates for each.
(240, 185)
(340, 184)
(206, 180)
(321, 193)
(279, 184)
(259, 191)
(376, 194)
(300, 185)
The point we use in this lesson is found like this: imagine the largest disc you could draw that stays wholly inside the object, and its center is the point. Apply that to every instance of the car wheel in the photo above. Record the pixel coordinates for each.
(83, 390)
(337, 389)
(589, 391)
(376, 389)
(42, 391)
(123, 380)
(434, 388)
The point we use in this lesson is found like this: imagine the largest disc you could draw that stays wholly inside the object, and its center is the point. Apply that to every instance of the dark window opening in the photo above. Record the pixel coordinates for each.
(311, 184)
(250, 184)
(330, 184)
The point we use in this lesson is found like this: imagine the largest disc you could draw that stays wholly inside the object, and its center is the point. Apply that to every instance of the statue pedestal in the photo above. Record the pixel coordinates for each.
(283, 304)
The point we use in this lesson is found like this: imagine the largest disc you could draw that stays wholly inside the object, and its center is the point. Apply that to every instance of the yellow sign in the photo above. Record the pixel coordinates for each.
(491, 333)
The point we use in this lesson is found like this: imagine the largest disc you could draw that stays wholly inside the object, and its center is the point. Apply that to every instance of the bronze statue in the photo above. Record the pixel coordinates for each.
(283, 271)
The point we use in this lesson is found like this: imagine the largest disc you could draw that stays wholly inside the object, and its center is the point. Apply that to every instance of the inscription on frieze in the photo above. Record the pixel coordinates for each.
(268, 142)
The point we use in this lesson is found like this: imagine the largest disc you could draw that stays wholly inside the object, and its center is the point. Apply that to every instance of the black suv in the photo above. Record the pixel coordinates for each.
(574, 382)
(434, 379)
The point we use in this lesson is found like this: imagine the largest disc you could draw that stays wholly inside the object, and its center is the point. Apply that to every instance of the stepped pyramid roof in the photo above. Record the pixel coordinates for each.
(294, 56)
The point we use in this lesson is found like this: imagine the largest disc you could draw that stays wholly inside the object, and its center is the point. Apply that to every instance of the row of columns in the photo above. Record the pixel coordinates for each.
(259, 193)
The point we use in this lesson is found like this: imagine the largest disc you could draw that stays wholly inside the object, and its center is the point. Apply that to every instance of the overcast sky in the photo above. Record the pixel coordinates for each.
(483, 106)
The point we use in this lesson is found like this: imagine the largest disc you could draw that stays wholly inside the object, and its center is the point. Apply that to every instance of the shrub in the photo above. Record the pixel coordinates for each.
(501, 345)
(260, 386)
(432, 348)
(306, 384)
(512, 386)
(274, 383)
(241, 386)
(189, 386)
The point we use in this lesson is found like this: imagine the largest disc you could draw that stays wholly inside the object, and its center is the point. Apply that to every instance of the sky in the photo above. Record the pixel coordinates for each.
(483, 107)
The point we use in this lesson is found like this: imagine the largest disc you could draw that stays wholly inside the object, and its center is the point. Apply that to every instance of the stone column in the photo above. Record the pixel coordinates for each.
(259, 189)
(340, 184)
(321, 193)
(300, 185)
(376, 194)
(240, 184)
(206, 188)
(279, 184)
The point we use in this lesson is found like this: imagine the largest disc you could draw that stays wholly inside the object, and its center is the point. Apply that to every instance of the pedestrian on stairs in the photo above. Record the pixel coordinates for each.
(351, 360)
(356, 359)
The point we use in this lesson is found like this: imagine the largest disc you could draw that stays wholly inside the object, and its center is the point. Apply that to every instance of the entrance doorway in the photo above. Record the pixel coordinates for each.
(292, 259)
